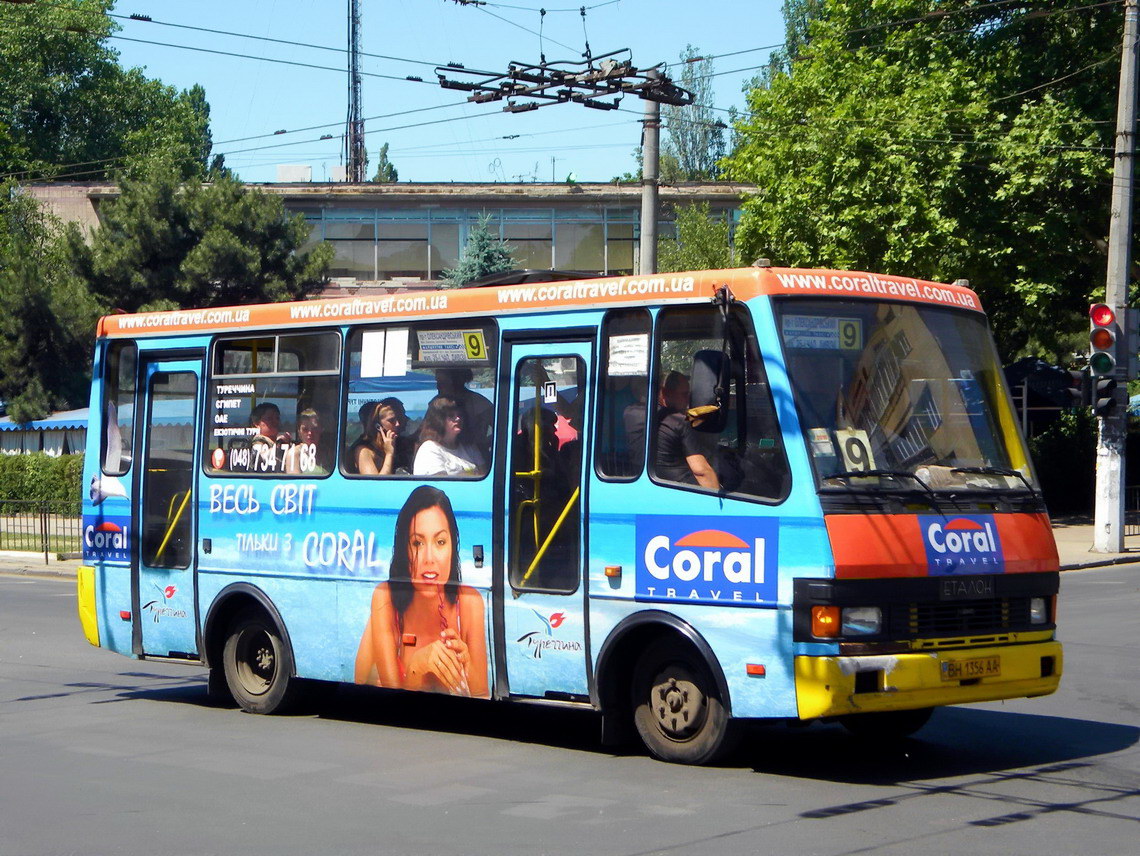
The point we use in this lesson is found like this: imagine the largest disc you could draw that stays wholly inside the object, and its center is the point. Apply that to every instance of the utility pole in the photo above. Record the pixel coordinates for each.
(355, 155)
(650, 144)
(1108, 532)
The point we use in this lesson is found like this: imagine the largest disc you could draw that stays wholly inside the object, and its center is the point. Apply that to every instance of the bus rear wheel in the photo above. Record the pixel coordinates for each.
(258, 665)
(676, 707)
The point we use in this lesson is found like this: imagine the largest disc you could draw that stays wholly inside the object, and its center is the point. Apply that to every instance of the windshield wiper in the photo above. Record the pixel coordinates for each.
(896, 474)
(996, 471)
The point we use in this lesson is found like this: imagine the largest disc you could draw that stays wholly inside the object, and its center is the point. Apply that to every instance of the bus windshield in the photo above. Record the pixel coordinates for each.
(911, 395)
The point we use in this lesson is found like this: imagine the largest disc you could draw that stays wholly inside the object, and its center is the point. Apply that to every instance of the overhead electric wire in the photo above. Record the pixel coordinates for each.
(548, 11)
(287, 42)
(524, 29)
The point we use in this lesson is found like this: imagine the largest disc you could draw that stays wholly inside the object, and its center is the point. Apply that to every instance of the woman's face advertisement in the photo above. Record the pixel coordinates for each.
(429, 551)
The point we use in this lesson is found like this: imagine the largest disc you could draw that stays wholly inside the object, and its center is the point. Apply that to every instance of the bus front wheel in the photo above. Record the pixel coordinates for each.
(258, 665)
(676, 708)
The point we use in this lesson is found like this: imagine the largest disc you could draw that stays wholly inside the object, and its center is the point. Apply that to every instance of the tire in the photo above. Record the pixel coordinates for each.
(677, 709)
(887, 725)
(258, 664)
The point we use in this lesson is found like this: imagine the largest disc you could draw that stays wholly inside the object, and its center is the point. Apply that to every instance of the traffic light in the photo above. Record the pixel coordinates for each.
(1102, 340)
(1104, 397)
(1078, 388)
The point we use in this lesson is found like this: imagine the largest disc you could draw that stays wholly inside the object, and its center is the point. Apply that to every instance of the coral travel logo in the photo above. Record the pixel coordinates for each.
(539, 641)
(735, 564)
(107, 538)
(966, 544)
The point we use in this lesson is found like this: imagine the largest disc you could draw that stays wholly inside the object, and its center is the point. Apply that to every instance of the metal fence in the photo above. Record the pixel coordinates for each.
(1131, 511)
(32, 526)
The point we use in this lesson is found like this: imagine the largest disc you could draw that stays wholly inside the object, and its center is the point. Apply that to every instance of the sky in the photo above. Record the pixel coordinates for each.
(446, 138)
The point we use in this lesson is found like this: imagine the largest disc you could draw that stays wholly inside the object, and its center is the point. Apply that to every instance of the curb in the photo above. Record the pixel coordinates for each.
(37, 572)
(1100, 563)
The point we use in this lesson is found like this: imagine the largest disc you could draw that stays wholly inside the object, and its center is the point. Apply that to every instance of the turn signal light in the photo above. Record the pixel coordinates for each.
(825, 622)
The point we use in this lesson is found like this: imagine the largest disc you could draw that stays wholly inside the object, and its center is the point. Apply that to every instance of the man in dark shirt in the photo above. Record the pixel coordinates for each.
(680, 452)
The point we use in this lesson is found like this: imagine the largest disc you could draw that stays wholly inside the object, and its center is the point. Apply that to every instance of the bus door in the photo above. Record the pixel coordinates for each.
(540, 615)
(163, 565)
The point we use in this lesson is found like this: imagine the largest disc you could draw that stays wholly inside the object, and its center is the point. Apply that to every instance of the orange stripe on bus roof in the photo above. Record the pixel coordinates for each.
(745, 283)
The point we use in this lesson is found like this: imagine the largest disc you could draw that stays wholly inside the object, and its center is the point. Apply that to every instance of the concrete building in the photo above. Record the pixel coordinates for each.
(403, 235)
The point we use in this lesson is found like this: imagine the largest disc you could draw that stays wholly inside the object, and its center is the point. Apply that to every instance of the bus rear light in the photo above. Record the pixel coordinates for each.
(755, 670)
(825, 622)
(125, 614)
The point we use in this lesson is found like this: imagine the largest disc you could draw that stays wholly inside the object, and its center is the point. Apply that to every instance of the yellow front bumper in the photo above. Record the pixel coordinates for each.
(825, 686)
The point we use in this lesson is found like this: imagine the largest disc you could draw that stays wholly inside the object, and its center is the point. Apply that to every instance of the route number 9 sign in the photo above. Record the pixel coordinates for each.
(855, 449)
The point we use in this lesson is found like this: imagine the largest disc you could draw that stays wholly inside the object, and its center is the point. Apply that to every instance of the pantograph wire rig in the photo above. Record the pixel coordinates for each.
(598, 82)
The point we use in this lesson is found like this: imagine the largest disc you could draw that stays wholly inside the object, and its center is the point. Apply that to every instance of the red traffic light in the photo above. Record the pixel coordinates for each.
(1101, 314)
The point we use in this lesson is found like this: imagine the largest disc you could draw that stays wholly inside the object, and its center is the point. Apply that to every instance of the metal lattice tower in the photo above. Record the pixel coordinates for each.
(354, 153)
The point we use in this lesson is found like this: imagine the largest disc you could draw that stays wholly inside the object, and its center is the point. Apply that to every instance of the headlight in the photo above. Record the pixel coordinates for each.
(1038, 610)
(861, 620)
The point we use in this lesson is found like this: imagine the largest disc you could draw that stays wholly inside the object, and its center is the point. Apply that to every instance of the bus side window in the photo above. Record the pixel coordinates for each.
(405, 383)
(274, 404)
(119, 407)
(623, 410)
(743, 454)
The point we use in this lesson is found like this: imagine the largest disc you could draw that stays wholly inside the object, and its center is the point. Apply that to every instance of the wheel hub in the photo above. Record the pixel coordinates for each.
(263, 660)
(678, 706)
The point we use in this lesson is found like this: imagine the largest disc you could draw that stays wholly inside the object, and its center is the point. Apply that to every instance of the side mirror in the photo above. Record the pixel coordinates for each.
(708, 397)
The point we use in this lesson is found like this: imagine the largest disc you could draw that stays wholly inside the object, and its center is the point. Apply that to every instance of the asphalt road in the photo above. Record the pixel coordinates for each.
(100, 754)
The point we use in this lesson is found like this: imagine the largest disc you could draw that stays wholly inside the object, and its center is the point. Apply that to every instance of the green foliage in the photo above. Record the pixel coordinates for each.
(164, 244)
(43, 478)
(948, 146)
(70, 110)
(46, 315)
(694, 135)
(385, 170)
(1062, 455)
(702, 242)
(483, 254)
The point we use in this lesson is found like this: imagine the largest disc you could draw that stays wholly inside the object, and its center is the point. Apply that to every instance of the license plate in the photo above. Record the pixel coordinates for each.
(964, 670)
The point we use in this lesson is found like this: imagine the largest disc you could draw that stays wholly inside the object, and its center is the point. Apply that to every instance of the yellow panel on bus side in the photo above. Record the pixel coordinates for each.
(85, 592)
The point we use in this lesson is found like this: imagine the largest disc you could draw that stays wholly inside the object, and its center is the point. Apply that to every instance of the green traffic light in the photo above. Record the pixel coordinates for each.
(1102, 363)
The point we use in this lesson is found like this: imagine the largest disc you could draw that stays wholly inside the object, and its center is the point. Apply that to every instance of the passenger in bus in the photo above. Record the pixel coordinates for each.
(425, 630)
(308, 456)
(384, 449)
(478, 411)
(266, 420)
(633, 418)
(681, 454)
(441, 452)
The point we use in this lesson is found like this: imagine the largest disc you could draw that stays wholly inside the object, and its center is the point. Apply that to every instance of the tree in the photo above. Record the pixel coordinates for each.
(942, 139)
(69, 110)
(47, 318)
(165, 244)
(385, 170)
(694, 135)
(702, 242)
(484, 254)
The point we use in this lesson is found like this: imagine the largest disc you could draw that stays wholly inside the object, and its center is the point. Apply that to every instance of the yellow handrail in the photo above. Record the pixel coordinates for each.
(550, 537)
(173, 523)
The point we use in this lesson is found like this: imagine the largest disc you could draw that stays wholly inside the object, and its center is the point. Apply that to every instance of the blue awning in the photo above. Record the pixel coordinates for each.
(63, 421)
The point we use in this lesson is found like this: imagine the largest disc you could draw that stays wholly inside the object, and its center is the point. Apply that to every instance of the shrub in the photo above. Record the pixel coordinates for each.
(42, 478)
